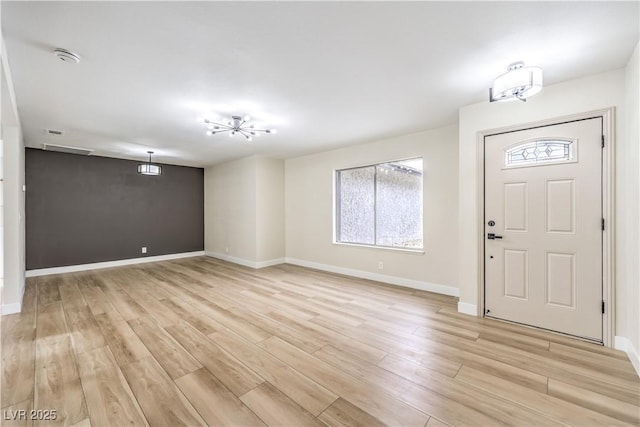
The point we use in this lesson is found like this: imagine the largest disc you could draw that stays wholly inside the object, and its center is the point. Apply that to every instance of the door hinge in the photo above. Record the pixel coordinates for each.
(602, 307)
(602, 224)
(602, 141)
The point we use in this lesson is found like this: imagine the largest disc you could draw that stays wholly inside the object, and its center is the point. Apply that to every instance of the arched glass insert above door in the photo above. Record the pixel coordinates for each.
(540, 152)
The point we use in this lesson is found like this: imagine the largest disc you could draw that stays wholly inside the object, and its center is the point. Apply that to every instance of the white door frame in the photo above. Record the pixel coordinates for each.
(608, 204)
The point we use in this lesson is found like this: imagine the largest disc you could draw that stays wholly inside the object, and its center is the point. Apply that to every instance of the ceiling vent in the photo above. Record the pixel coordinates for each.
(53, 132)
(66, 149)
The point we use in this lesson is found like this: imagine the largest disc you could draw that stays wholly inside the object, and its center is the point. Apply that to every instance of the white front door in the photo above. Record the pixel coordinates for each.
(543, 227)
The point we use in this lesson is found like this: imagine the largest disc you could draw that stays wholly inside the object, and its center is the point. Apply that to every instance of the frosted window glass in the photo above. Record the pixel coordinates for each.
(380, 205)
(357, 214)
(398, 205)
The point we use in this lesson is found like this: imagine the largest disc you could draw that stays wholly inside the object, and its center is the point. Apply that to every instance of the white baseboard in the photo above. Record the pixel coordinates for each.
(269, 263)
(109, 264)
(229, 258)
(624, 344)
(466, 308)
(16, 307)
(620, 343)
(391, 280)
(245, 262)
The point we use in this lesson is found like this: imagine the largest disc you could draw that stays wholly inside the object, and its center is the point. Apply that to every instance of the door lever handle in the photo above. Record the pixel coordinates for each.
(492, 236)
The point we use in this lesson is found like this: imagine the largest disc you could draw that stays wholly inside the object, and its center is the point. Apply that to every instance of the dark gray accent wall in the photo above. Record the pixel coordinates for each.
(85, 209)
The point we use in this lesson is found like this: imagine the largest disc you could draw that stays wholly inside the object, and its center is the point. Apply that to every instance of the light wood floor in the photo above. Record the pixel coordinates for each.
(201, 341)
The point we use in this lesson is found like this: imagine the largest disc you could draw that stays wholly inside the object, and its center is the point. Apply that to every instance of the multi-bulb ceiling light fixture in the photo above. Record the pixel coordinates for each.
(519, 82)
(237, 125)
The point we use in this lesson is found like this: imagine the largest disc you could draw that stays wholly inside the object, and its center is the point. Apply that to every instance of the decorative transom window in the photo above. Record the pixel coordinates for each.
(540, 151)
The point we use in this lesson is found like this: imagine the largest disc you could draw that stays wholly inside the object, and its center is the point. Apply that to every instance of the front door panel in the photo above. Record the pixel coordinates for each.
(543, 255)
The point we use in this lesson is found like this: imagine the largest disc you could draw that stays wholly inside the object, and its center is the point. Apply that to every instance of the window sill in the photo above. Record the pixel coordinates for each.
(384, 248)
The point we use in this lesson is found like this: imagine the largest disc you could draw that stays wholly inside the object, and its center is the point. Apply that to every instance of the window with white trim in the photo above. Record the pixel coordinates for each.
(380, 205)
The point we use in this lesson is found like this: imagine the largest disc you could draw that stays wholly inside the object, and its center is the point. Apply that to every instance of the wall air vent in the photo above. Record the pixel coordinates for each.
(66, 149)
(53, 132)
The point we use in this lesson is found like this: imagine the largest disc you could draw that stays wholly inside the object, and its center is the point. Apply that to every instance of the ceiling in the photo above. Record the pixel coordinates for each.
(325, 74)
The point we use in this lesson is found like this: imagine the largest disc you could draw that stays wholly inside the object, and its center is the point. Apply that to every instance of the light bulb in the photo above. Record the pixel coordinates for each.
(248, 138)
(273, 131)
(246, 118)
(209, 133)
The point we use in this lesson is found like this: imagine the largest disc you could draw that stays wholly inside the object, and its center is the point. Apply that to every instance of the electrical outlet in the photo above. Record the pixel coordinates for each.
(380, 265)
(144, 249)
(226, 250)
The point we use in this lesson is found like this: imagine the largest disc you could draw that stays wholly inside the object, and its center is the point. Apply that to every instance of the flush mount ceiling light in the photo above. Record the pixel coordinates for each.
(66, 56)
(149, 168)
(519, 82)
(237, 125)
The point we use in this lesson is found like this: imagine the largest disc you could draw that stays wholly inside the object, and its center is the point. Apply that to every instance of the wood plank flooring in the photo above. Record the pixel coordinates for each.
(203, 342)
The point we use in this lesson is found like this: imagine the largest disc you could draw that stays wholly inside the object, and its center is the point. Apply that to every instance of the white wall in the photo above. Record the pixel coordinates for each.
(270, 197)
(309, 189)
(576, 96)
(632, 131)
(1, 220)
(13, 237)
(229, 209)
(244, 210)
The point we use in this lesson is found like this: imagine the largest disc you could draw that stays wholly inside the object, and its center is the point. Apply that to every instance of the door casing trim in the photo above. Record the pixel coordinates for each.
(608, 208)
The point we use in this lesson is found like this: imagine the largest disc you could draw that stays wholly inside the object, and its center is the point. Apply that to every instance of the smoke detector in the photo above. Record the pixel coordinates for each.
(66, 56)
